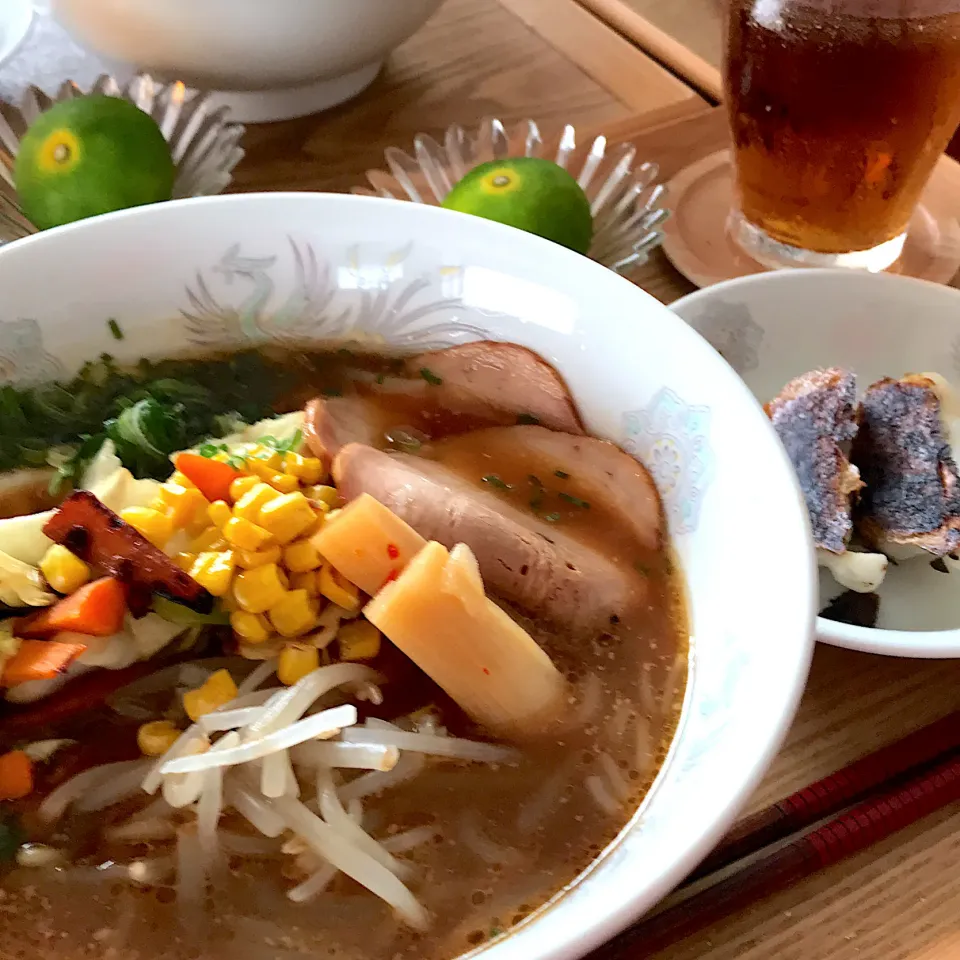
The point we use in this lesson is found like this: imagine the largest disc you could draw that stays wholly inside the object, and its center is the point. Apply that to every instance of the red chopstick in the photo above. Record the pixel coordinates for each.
(860, 827)
(834, 793)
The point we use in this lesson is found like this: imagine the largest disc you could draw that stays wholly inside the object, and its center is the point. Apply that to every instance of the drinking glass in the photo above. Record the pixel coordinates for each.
(839, 110)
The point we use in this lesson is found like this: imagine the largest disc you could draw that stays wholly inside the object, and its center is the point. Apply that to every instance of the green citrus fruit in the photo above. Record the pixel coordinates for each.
(88, 156)
(532, 194)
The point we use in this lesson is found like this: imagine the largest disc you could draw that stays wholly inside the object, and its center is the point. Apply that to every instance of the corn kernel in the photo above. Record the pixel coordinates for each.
(242, 485)
(281, 482)
(198, 522)
(296, 660)
(185, 560)
(320, 493)
(248, 506)
(284, 483)
(155, 526)
(65, 572)
(295, 614)
(248, 559)
(210, 538)
(358, 640)
(259, 589)
(337, 589)
(301, 556)
(287, 516)
(155, 738)
(252, 627)
(219, 689)
(245, 535)
(219, 513)
(266, 455)
(182, 503)
(305, 581)
(305, 469)
(214, 571)
(181, 479)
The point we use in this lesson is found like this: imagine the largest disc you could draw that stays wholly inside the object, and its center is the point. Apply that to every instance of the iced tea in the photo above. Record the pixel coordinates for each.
(839, 110)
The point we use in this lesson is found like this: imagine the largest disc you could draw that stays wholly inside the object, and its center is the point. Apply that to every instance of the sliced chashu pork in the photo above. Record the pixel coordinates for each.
(332, 422)
(522, 560)
(446, 392)
(499, 381)
(609, 479)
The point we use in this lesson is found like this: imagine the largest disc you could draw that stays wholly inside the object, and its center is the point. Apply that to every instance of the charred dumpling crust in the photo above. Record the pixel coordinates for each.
(912, 495)
(815, 415)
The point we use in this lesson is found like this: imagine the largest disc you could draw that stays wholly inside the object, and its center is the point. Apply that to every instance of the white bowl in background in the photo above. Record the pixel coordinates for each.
(268, 61)
(15, 18)
(247, 269)
(774, 326)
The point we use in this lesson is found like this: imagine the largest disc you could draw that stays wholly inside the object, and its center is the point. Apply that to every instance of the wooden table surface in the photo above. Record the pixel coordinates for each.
(552, 60)
(697, 24)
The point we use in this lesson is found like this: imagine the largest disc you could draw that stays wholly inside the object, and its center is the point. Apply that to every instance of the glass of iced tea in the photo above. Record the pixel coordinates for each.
(839, 110)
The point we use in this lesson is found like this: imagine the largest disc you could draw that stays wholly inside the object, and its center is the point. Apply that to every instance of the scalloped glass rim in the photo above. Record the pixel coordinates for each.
(625, 198)
(204, 142)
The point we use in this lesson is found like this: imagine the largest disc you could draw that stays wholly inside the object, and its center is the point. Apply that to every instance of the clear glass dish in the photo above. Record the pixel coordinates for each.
(205, 142)
(625, 197)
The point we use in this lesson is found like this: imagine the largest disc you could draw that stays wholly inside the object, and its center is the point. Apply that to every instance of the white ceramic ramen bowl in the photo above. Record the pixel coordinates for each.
(248, 269)
(268, 61)
(775, 326)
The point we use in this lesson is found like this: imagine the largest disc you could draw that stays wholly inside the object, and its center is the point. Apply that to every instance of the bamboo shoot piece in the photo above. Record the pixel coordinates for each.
(367, 543)
(438, 614)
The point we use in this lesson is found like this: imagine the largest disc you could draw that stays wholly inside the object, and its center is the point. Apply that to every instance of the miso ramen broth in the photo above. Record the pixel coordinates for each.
(478, 831)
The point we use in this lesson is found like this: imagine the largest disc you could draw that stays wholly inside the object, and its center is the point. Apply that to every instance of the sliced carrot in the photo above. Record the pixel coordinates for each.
(211, 477)
(16, 775)
(39, 660)
(96, 609)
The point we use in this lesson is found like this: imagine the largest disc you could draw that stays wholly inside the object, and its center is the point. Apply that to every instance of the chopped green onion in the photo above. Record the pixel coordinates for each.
(576, 501)
(561, 474)
(497, 482)
(115, 330)
(534, 479)
(208, 450)
(430, 377)
(380, 378)
(552, 517)
(178, 613)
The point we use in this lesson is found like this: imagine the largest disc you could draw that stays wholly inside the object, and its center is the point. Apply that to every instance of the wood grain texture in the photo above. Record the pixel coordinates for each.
(683, 35)
(697, 24)
(605, 56)
(474, 59)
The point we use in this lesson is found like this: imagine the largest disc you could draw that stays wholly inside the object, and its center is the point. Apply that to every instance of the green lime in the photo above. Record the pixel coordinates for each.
(88, 156)
(532, 194)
